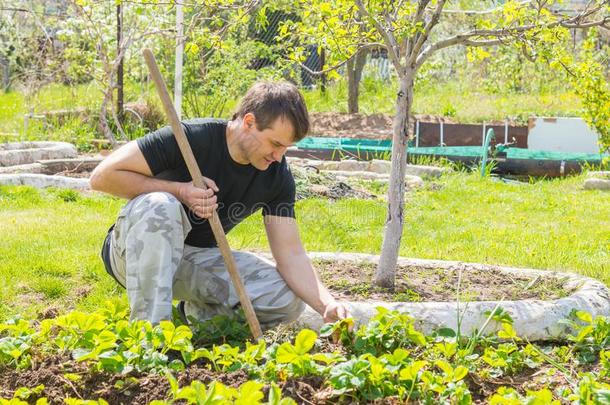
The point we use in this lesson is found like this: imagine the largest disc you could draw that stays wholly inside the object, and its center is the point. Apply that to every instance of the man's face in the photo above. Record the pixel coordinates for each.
(269, 145)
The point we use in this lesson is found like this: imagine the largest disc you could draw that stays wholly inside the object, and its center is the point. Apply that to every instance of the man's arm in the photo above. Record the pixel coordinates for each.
(125, 173)
(296, 268)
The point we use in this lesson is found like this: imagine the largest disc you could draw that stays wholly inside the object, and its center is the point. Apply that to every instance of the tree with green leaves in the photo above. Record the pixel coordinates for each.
(408, 31)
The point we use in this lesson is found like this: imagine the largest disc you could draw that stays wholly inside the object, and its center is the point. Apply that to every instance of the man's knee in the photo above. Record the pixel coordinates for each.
(293, 308)
(285, 309)
(157, 200)
(160, 210)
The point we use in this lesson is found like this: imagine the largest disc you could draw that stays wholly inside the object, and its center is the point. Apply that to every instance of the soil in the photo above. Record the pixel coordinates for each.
(310, 183)
(352, 281)
(374, 126)
(79, 175)
(331, 124)
(63, 378)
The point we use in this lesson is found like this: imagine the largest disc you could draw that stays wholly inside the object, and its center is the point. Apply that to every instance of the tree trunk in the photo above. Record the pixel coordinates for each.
(119, 72)
(386, 271)
(6, 80)
(354, 74)
(104, 127)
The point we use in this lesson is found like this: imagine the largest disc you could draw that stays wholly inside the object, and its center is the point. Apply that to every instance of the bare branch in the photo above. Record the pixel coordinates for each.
(412, 57)
(572, 22)
(389, 39)
(601, 23)
(23, 10)
(343, 62)
(481, 12)
(421, 8)
(490, 42)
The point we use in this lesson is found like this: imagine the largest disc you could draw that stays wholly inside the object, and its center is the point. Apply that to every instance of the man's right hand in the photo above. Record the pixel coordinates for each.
(202, 202)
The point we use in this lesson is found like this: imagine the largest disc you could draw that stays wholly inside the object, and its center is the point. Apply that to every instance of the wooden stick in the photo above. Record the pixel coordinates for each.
(193, 167)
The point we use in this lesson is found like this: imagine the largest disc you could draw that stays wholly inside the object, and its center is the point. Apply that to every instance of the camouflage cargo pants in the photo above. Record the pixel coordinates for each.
(149, 257)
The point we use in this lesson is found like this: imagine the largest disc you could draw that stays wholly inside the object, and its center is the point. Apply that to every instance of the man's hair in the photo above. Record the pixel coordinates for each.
(269, 101)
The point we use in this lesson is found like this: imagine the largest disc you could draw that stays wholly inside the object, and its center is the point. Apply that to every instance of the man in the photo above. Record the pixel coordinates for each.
(162, 246)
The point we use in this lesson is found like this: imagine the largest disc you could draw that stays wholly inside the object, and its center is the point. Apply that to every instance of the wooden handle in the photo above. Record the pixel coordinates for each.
(193, 167)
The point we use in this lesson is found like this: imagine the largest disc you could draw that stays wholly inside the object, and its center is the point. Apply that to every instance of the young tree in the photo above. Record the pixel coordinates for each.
(407, 29)
(92, 48)
(206, 28)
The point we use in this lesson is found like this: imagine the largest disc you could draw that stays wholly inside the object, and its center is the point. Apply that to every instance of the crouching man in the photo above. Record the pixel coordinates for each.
(162, 247)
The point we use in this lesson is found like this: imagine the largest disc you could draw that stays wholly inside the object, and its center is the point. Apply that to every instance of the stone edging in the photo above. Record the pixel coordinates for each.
(21, 153)
(43, 180)
(376, 169)
(533, 319)
(598, 181)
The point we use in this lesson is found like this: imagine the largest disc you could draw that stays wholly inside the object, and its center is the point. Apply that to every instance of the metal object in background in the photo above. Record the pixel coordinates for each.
(485, 153)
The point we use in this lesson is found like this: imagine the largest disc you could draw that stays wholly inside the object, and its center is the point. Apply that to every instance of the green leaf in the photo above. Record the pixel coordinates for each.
(249, 393)
(459, 373)
(584, 316)
(304, 341)
(286, 353)
(443, 365)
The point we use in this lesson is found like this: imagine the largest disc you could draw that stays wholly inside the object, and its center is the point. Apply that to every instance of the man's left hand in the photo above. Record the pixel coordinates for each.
(335, 311)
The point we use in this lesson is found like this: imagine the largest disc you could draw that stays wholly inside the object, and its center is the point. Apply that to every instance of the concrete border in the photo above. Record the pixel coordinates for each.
(44, 180)
(597, 184)
(533, 319)
(21, 153)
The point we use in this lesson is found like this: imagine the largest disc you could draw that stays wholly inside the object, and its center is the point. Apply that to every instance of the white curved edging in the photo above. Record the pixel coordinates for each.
(533, 319)
(381, 168)
(43, 180)
(20, 153)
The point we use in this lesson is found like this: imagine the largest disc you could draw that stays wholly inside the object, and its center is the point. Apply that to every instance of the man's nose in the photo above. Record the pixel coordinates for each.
(278, 154)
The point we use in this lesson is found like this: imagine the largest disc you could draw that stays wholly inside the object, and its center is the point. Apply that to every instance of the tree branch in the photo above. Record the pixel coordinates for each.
(480, 12)
(343, 62)
(421, 8)
(412, 57)
(507, 32)
(390, 41)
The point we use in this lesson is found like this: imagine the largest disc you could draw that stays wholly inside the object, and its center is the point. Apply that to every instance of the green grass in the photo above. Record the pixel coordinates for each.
(49, 251)
(454, 98)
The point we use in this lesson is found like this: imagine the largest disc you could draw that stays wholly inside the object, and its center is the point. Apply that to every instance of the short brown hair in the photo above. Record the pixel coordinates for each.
(269, 101)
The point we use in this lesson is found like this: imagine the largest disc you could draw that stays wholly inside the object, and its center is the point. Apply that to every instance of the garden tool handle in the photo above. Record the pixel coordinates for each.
(197, 176)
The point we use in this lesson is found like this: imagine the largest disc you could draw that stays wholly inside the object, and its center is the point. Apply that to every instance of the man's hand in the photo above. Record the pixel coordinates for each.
(335, 311)
(202, 202)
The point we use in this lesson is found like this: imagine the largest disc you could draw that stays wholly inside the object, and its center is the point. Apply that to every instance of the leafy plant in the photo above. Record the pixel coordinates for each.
(592, 335)
(385, 332)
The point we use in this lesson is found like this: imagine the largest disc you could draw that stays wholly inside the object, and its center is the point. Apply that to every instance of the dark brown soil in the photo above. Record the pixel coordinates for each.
(352, 281)
(374, 126)
(331, 124)
(63, 378)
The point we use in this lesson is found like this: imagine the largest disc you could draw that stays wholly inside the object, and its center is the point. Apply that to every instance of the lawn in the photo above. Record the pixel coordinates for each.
(442, 98)
(49, 255)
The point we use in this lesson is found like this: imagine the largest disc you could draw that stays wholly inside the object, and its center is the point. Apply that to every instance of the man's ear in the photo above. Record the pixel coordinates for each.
(249, 120)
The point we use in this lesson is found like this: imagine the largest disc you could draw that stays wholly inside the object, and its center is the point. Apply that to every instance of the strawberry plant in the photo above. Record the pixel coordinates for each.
(218, 393)
(385, 332)
(592, 335)
(298, 360)
(509, 396)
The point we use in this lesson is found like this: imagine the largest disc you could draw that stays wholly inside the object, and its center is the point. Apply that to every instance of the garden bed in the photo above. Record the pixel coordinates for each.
(387, 361)
(353, 281)
(537, 317)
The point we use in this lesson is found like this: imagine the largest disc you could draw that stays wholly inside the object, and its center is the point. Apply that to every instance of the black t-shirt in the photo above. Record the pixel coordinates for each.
(243, 189)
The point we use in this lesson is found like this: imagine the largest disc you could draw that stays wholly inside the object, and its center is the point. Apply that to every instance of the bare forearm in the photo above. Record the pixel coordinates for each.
(127, 184)
(302, 278)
